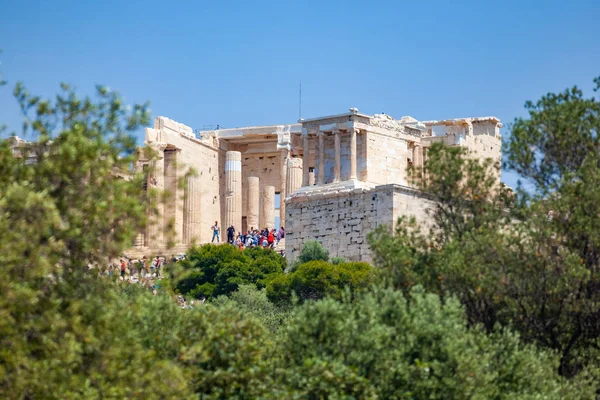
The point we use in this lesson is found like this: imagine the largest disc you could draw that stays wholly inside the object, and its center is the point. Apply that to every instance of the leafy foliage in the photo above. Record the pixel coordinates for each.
(560, 134)
(318, 279)
(252, 301)
(312, 251)
(529, 261)
(69, 202)
(214, 270)
(379, 346)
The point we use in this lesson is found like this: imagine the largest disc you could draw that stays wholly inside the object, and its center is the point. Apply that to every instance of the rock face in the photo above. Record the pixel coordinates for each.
(333, 179)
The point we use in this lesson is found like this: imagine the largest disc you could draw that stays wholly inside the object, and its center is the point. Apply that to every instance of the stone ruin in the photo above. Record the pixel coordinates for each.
(333, 179)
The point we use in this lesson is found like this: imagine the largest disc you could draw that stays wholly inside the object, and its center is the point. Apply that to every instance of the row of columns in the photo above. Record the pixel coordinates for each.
(264, 217)
(257, 216)
(180, 220)
(306, 180)
(185, 207)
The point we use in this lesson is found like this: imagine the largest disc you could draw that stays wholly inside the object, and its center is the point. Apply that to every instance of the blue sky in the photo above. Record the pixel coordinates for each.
(239, 63)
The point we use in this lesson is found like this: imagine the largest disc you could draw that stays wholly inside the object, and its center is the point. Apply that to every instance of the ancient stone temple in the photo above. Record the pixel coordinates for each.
(333, 179)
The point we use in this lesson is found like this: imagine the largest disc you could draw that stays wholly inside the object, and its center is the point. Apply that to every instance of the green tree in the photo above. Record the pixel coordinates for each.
(69, 203)
(214, 270)
(380, 346)
(252, 301)
(318, 279)
(62, 209)
(312, 251)
(529, 261)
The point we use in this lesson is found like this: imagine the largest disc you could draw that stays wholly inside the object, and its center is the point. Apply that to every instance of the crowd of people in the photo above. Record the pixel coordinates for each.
(136, 270)
(265, 238)
(147, 271)
(268, 238)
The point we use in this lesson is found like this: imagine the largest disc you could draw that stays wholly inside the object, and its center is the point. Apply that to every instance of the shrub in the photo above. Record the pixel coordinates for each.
(313, 251)
(317, 279)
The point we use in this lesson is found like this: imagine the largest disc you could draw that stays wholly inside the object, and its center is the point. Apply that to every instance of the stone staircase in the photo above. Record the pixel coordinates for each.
(280, 245)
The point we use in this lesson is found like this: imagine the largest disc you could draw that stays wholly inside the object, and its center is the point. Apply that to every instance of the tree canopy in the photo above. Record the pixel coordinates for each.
(523, 260)
(441, 325)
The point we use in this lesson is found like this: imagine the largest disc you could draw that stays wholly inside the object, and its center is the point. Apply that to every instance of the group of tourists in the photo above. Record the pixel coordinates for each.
(268, 238)
(142, 268)
(265, 238)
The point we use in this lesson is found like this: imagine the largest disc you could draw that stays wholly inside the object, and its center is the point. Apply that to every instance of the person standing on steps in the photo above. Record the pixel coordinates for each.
(230, 234)
(215, 229)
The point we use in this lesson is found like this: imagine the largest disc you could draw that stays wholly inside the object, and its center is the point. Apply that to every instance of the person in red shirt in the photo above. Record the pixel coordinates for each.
(271, 238)
(123, 267)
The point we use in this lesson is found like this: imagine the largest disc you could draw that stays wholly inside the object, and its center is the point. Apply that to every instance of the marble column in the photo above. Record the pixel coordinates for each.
(253, 202)
(285, 153)
(138, 169)
(173, 213)
(321, 171)
(337, 168)
(311, 178)
(353, 174)
(191, 210)
(418, 158)
(294, 175)
(156, 184)
(233, 191)
(305, 159)
(267, 214)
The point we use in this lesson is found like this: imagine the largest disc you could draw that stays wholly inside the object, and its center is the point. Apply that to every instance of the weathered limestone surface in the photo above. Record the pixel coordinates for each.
(285, 153)
(253, 202)
(233, 190)
(294, 175)
(359, 162)
(341, 219)
(268, 207)
(192, 210)
(387, 159)
(173, 221)
(198, 154)
(305, 159)
(156, 182)
(267, 166)
(311, 178)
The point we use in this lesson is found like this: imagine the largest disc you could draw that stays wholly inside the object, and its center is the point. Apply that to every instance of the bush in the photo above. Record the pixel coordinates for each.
(213, 270)
(318, 279)
(313, 251)
(251, 301)
(379, 345)
(338, 260)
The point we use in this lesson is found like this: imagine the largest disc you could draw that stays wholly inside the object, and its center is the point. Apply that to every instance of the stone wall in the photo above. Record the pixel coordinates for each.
(200, 155)
(340, 219)
(386, 159)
